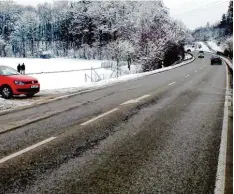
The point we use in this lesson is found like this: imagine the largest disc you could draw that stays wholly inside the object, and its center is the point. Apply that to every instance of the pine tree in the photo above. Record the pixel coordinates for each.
(230, 19)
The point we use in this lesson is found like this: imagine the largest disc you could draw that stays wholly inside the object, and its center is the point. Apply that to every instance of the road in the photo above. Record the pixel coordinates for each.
(157, 134)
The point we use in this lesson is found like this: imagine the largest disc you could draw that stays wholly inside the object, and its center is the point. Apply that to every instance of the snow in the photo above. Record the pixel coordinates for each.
(186, 47)
(131, 76)
(37, 65)
(204, 47)
(70, 73)
(15, 103)
(214, 46)
(67, 82)
(77, 69)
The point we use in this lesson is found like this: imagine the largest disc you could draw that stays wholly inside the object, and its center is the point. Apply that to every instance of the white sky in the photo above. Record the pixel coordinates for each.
(196, 13)
(193, 13)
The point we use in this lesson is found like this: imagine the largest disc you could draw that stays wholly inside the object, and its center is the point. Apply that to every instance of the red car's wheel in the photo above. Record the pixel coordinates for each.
(6, 92)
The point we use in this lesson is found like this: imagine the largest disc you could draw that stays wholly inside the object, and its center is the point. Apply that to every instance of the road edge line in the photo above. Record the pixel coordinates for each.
(221, 170)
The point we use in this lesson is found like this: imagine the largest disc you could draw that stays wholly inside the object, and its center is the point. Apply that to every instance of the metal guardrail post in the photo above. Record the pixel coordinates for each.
(91, 75)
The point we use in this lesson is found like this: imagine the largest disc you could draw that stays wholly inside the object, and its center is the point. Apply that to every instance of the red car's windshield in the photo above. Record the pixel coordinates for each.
(6, 71)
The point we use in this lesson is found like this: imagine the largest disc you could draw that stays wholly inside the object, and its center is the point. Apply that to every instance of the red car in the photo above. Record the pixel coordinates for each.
(14, 83)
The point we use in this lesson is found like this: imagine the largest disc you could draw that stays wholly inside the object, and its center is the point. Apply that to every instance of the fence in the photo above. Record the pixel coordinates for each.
(113, 64)
(94, 77)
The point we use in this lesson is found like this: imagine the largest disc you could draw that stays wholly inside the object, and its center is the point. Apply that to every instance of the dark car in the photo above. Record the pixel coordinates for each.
(201, 52)
(215, 60)
(219, 53)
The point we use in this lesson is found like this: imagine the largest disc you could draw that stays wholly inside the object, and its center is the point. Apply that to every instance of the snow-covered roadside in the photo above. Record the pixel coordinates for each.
(186, 47)
(204, 47)
(111, 81)
(213, 45)
(19, 102)
(22, 101)
(71, 77)
(10, 104)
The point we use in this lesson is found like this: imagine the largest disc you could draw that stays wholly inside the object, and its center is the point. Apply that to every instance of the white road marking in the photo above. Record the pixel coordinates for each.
(171, 83)
(130, 102)
(195, 71)
(98, 117)
(26, 149)
(145, 96)
(220, 175)
(135, 100)
(187, 76)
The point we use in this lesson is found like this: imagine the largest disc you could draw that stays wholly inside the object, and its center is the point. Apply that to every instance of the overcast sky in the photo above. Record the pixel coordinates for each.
(193, 13)
(196, 13)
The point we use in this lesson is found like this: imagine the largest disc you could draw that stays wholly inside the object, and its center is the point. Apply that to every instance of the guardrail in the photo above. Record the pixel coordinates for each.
(227, 60)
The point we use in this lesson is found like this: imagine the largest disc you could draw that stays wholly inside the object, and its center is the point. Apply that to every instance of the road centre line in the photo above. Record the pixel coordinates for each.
(171, 83)
(98, 117)
(26, 149)
(145, 96)
(195, 71)
(187, 75)
(132, 101)
(52, 138)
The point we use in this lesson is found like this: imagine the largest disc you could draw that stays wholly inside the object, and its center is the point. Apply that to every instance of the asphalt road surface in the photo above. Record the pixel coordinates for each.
(157, 134)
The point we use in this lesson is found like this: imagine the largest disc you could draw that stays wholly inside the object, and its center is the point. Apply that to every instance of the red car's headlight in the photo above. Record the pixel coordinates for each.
(19, 82)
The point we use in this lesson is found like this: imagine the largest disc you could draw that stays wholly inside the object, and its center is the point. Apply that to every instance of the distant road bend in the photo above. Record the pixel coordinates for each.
(157, 134)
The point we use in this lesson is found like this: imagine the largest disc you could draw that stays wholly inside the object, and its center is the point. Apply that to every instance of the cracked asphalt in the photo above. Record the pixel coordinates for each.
(167, 142)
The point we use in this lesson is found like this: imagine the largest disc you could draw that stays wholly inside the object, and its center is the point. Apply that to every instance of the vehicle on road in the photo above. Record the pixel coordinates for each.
(201, 52)
(14, 83)
(220, 53)
(215, 60)
(201, 55)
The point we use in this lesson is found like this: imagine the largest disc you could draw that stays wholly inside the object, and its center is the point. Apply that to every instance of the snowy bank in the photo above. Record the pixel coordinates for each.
(204, 47)
(213, 45)
(76, 84)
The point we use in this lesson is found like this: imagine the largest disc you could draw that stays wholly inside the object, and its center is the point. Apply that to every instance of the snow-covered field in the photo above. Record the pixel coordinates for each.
(36, 65)
(40, 68)
(214, 46)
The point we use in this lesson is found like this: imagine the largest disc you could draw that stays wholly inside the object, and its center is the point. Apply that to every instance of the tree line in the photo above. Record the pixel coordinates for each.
(222, 31)
(112, 30)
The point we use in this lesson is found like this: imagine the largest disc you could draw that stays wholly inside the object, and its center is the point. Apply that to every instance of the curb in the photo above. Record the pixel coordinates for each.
(88, 90)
